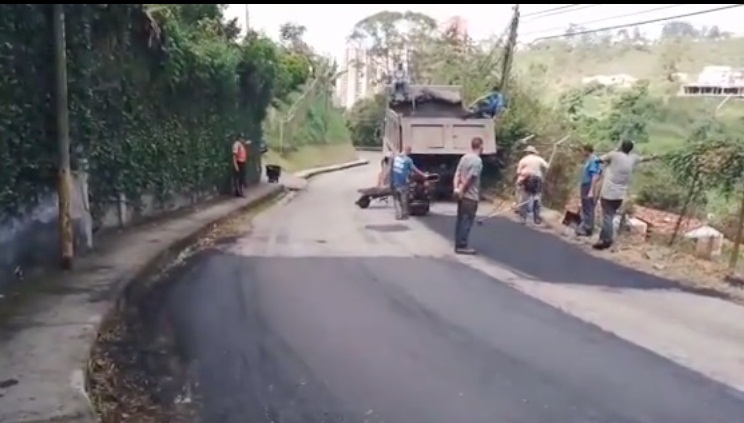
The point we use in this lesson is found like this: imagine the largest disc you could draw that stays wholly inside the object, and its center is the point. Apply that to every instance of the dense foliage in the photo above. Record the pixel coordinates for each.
(157, 94)
(447, 58)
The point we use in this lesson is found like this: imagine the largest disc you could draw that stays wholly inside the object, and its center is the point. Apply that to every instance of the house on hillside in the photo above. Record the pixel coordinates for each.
(618, 80)
(716, 81)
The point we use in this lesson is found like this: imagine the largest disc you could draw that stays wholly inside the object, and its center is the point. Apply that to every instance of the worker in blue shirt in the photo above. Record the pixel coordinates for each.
(490, 105)
(590, 177)
(400, 173)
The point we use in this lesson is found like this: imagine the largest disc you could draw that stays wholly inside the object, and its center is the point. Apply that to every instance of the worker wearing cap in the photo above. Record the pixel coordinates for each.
(530, 175)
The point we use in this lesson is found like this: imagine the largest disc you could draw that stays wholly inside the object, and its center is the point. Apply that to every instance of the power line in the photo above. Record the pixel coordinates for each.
(610, 18)
(560, 11)
(650, 21)
(552, 9)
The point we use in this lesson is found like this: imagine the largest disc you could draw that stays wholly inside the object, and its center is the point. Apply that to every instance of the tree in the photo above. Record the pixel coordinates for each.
(671, 55)
(679, 29)
(291, 36)
(366, 119)
(389, 37)
(630, 114)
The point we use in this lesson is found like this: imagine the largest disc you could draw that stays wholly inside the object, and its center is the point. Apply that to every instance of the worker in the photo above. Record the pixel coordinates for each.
(239, 159)
(467, 193)
(383, 179)
(589, 190)
(489, 106)
(401, 169)
(617, 175)
(530, 175)
(400, 83)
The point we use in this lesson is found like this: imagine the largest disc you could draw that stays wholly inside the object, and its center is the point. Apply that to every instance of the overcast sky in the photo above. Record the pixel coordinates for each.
(329, 24)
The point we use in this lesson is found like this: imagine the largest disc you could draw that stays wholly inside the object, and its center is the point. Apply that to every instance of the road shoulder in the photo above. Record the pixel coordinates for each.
(45, 345)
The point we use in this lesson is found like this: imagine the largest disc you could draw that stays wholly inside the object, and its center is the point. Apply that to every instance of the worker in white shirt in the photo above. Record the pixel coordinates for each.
(531, 171)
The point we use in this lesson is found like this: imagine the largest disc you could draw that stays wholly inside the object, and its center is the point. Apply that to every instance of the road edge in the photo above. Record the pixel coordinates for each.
(126, 288)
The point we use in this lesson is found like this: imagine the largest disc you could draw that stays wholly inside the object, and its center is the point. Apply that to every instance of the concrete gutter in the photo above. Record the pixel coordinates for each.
(131, 289)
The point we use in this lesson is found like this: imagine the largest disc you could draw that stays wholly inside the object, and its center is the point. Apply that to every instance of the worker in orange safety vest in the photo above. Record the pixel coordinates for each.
(239, 159)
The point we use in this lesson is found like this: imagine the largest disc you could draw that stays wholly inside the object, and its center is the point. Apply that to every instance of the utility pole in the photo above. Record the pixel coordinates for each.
(63, 138)
(511, 44)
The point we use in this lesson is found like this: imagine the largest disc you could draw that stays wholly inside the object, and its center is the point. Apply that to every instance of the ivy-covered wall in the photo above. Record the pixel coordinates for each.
(154, 108)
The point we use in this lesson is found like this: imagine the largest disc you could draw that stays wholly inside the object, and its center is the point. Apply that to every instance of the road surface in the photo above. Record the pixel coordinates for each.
(328, 313)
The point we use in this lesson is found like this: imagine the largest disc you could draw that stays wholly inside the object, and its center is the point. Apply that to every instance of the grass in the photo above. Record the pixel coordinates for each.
(555, 68)
(310, 156)
(565, 67)
(307, 132)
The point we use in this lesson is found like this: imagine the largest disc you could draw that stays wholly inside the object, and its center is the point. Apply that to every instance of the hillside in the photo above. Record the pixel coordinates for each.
(564, 64)
(556, 68)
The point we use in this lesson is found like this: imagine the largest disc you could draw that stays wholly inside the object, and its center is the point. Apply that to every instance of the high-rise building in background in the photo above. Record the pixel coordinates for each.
(458, 24)
(361, 76)
(356, 80)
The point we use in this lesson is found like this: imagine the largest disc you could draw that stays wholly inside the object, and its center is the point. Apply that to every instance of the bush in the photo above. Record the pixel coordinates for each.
(156, 97)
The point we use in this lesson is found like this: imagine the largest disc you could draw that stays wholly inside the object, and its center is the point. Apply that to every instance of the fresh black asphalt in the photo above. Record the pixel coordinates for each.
(422, 340)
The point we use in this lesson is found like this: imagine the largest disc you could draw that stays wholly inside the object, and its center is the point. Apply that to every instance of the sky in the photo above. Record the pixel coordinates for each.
(328, 25)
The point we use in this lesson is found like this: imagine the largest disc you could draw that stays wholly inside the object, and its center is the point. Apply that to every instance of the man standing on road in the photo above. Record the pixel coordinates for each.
(589, 190)
(467, 192)
(239, 160)
(400, 172)
(530, 173)
(616, 180)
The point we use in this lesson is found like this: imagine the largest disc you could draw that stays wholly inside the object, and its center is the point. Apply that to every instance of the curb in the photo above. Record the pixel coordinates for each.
(309, 173)
(127, 289)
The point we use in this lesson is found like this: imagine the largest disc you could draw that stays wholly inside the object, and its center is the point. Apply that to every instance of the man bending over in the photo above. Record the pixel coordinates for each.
(530, 174)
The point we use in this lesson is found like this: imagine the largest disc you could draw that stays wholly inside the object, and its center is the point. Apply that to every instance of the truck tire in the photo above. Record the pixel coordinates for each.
(420, 210)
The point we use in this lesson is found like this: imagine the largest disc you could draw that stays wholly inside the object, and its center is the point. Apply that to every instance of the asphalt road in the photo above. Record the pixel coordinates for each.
(328, 313)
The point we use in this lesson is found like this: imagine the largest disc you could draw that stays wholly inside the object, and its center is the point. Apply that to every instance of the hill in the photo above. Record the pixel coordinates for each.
(564, 64)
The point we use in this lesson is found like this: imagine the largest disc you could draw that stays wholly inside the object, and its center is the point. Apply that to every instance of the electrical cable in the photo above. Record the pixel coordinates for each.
(560, 11)
(646, 22)
(610, 18)
(552, 9)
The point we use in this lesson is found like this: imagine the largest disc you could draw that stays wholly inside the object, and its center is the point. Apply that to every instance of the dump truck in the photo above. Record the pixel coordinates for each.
(431, 120)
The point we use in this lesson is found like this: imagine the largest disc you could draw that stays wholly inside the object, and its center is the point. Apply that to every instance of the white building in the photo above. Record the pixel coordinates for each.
(358, 80)
(362, 75)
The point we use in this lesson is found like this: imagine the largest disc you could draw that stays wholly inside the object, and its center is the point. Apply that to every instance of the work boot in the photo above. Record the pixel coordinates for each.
(602, 245)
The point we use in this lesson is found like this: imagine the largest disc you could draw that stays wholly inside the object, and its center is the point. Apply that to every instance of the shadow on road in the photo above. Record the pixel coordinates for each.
(549, 259)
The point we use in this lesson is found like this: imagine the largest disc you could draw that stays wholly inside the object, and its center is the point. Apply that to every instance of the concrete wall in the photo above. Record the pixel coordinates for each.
(31, 240)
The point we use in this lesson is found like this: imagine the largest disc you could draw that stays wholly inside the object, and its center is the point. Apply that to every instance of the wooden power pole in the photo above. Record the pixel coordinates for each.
(63, 138)
(511, 44)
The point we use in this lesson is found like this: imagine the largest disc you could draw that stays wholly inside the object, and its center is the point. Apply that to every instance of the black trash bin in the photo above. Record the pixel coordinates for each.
(273, 173)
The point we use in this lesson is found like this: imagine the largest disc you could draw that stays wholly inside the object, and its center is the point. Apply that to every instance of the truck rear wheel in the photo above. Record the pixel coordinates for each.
(420, 210)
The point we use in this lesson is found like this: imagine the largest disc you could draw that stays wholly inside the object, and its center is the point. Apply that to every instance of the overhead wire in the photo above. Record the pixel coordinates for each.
(549, 10)
(638, 23)
(610, 18)
(559, 11)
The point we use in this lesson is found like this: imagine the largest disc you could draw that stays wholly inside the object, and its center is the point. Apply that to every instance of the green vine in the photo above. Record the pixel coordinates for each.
(156, 97)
